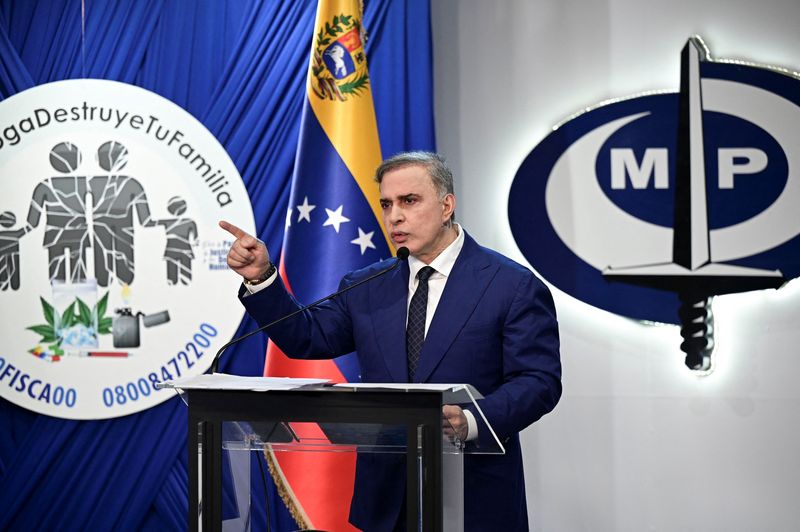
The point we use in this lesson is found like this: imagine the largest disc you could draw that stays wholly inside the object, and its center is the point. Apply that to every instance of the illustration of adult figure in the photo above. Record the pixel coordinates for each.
(62, 200)
(181, 234)
(9, 251)
(115, 199)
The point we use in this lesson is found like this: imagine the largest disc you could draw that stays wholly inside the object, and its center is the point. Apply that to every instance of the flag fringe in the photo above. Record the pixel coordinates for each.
(285, 491)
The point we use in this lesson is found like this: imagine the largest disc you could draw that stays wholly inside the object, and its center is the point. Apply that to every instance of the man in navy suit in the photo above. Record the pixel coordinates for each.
(487, 321)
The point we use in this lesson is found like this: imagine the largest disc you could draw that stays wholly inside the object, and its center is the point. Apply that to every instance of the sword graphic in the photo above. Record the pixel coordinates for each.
(692, 274)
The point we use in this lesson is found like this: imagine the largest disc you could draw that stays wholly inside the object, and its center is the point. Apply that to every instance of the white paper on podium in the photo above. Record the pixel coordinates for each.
(451, 393)
(223, 381)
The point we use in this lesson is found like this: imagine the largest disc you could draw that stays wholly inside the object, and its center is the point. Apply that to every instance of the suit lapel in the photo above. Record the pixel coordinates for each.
(388, 301)
(466, 284)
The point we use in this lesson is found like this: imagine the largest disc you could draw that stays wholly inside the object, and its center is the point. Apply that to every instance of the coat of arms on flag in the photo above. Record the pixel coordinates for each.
(338, 62)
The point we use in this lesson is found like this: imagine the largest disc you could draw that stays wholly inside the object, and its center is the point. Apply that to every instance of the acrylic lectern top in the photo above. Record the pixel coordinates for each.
(280, 434)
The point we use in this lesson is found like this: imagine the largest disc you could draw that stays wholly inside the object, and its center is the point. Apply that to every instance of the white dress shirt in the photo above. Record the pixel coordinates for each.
(443, 265)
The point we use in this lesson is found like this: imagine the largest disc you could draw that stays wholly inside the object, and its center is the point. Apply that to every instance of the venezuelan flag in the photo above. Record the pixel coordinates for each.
(332, 227)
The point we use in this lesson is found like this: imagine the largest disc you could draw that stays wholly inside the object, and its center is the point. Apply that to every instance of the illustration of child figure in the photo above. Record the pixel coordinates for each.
(9, 251)
(181, 234)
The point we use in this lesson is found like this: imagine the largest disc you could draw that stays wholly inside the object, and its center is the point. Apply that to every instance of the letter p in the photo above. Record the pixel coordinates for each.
(738, 161)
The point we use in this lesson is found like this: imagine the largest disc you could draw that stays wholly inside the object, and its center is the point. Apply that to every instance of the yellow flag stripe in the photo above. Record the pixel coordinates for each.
(350, 124)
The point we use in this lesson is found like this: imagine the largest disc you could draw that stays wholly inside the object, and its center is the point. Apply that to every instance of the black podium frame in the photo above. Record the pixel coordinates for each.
(419, 411)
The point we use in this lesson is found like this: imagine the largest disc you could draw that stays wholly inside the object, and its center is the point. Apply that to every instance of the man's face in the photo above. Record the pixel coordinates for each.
(413, 213)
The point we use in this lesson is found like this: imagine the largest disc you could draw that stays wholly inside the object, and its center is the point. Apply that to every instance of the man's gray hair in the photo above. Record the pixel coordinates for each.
(433, 163)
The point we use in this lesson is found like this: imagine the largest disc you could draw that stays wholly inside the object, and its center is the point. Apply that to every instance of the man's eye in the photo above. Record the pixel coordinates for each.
(409, 201)
(385, 205)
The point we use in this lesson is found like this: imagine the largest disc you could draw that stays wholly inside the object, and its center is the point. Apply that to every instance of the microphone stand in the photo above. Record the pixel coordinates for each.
(402, 255)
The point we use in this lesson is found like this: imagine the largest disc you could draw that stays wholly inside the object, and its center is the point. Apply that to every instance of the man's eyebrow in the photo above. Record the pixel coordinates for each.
(410, 195)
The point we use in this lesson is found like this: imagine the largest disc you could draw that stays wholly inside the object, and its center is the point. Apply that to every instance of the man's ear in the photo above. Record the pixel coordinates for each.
(448, 206)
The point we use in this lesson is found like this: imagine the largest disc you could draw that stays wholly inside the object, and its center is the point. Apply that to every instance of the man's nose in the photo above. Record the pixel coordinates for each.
(395, 214)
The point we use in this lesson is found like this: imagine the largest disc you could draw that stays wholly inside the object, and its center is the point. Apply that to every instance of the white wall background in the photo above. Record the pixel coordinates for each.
(637, 442)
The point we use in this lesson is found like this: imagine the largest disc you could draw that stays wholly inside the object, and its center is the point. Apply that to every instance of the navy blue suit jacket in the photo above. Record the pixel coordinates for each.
(495, 328)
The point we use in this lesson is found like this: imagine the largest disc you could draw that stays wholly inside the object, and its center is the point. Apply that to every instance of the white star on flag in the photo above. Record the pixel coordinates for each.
(304, 211)
(364, 240)
(335, 218)
(289, 217)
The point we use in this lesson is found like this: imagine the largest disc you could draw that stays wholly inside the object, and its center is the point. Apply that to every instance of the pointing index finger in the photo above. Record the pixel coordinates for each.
(232, 229)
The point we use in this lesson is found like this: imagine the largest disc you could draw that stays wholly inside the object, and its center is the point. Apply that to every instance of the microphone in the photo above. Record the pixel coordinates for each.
(402, 255)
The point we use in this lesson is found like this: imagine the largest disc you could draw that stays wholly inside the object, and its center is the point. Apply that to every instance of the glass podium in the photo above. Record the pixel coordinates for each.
(235, 422)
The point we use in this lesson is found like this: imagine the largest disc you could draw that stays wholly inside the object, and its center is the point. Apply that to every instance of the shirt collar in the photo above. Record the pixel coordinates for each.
(444, 263)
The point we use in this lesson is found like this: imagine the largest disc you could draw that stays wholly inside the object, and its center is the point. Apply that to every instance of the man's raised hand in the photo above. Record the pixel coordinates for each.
(248, 255)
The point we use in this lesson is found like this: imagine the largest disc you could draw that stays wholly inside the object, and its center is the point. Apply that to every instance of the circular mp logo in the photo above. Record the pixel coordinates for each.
(112, 268)
(649, 206)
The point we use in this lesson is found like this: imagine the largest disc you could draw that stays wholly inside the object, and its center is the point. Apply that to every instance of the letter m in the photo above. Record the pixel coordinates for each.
(654, 162)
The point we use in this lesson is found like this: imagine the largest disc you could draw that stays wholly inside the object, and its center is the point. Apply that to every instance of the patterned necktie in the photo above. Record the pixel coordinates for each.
(415, 331)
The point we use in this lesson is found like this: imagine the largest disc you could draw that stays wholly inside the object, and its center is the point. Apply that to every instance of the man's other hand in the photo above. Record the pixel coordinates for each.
(454, 422)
